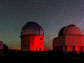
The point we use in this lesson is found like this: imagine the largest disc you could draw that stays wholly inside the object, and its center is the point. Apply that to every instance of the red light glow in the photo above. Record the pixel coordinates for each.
(36, 43)
(70, 48)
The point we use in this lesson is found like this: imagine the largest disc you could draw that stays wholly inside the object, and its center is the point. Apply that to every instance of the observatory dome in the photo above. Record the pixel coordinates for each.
(32, 28)
(70, 30)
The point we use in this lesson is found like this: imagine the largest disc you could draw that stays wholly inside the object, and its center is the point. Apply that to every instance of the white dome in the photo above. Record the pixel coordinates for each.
(32, 28)
(70, 30)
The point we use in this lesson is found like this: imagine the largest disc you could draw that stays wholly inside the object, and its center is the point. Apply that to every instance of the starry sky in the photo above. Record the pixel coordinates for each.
(52, 15)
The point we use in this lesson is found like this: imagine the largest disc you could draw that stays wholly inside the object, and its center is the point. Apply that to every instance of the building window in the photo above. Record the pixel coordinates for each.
(41, 38)
(39, 49)
(40, 43)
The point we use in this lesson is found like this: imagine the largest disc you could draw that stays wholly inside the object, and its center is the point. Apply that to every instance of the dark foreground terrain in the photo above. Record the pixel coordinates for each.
(41, 57)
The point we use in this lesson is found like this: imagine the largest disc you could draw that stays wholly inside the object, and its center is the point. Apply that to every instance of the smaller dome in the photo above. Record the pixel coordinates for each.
(70, 30)
(32, 28)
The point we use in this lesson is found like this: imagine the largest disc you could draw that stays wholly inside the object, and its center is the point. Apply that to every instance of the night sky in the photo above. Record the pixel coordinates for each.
(52, 15)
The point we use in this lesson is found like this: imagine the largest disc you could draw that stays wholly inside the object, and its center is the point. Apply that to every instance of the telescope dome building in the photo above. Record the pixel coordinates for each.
(70, 39)
(32, 37)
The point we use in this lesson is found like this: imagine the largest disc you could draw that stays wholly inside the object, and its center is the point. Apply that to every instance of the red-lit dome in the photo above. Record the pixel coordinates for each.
(70, 30)
(32, 28)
